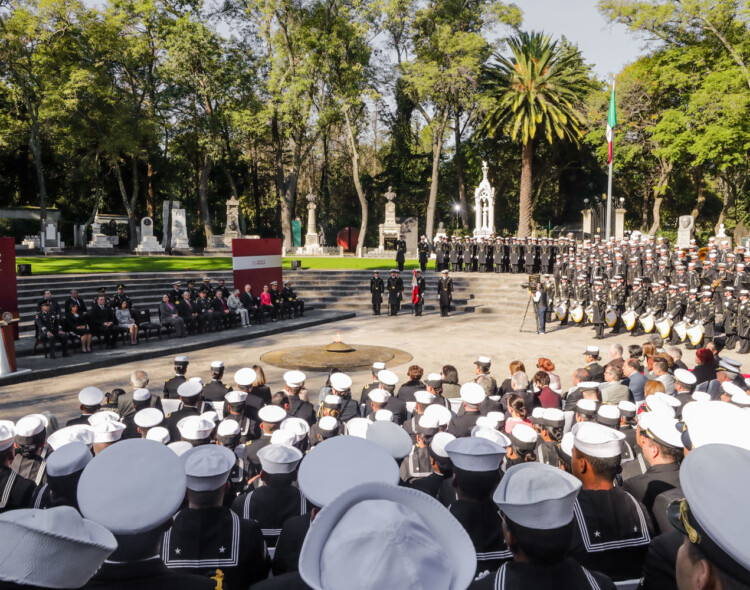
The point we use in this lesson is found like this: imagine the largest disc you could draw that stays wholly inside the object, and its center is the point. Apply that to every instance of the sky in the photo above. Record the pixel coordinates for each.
(607, 47)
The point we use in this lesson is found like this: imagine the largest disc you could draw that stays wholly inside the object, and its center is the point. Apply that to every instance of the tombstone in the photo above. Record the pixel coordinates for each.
(741, 235)
(389, 231)
(50, 238)
(148, 245)
(99, 243)
(222, 244)
(166, 207)
(685, 226)
(180, 243)
(484, 207)
(312, 239)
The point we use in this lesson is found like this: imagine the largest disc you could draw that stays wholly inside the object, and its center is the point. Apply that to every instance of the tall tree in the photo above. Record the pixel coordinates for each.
(539, 89)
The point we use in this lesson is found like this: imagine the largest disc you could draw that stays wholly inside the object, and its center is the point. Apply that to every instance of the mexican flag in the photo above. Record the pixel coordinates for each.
(611, 123)
(414, 288)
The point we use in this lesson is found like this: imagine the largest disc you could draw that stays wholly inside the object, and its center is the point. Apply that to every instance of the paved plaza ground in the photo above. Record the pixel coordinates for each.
(431, 340)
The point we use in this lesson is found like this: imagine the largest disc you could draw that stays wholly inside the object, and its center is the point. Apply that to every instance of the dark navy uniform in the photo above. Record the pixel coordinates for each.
(289, 545)
(657, 479)
(250, 459)
(214, 391)
(485, 527)
(376, 292)
(416, 465)
(171, 385)
(567, 575)
(395, 288)
(173, 419)
(301, 409)
(400, 253)
(445, 294)
(270, 507)
(15, 491)
(148, 574)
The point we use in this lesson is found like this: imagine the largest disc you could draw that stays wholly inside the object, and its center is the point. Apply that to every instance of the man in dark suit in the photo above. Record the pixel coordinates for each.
(188, 312)
(250, 302)
(103, 321)
(223, 315)
(53, 305)
(74, 298)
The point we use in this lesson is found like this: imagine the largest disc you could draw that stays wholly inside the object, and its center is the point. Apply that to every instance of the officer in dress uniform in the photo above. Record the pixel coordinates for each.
(423, 250)
(395, 287)
(234, 403)
(216, 390)
(181, 363)
(400, 252)
(591, 357)
(376, 292)
(421, 290)
(537, 505)
(445, 293)
(120, 296)
(279, 498)
(613, 529)
(175, 295)
(207, 316)
(293, 304)
(48, 328)
(208, 539)
(476, 473)
(730, 317)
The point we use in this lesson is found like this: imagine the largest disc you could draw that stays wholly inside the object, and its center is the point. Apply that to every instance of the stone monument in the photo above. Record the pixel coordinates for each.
(391, 229)
(180, 242)
(50, 238)
(741, 235)
(484, 206)
(685, 226)
(99, 242)
(722, 238)
(222, 244)
(312, 239)
(440, 233)
(149, 245)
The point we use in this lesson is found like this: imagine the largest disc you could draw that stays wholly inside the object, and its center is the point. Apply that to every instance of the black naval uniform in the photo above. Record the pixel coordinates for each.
(147, 574)
(173, 419)
(289, 544)
(171, 385)
(416, 465)
(33, 467)
(376, 290)
(250, 459)
(270, 507)
(485, 527)
(207, 541)
(657, 479)
(299, 408)
(445, 294)
(400, 254)
(46, 323)
(214, 391)
(423, 248)
(566, 575)
(15, 491)
(395, 293)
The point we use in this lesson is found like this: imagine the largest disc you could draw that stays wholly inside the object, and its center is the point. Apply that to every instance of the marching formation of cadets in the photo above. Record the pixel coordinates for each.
(207, 308)
(634, 476)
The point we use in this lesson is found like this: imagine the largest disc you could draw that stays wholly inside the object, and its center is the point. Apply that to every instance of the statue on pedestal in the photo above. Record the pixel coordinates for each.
(312, 239)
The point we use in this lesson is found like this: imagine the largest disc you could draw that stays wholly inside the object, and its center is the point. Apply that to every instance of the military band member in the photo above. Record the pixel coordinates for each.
(515, 257)
(730, 317)
(48, 329)
(468, 255)
(400, 252)
(618, 297)
(395, 287)
(566, 294)
(455, 254)
(445, 293)
(599, 301)
(743, 322)
(376, 292)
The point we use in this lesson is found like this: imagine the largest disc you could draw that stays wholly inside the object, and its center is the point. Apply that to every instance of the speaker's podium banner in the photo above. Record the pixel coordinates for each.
(256, 262)
(8, 290)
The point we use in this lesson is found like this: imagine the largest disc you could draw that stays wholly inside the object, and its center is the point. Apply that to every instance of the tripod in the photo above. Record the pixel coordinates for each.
(536, 317)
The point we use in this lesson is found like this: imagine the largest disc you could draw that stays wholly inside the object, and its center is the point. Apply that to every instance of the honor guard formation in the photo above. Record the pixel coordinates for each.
(634, 477)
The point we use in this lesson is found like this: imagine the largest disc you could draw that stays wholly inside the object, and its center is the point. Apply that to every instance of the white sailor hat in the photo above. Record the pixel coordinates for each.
(552, 417)
(719, 534)
(427, 425)
(565, 450)
(76, 546)
(181, 360)
(228, 428)
(475, 454)
(28, 427)
(340, 382)
(661, 402)
(424, 397)
(715, 422)
(196, 380)
(207, 467)
(108, 432)
(586, 407)
(729, 389)
(423, 545)
(701, 396)
(440, 412)
(379, 396)
(279, 458)
(483, 360)
(141, 395)
(445, 272)
(148, 418)
(283, 437)
(536, 414)
(378, 366)
(608, 415)
(358, 427)
(272, 414)
(103, 416)
(387, 377)
(434, 380)
(627, 409)
(439, 442)
(596, 440)
(245, 377)
(217, 364)
(274, 283)
(127, 475)
(498, 416)
(298, 427)
(294, 378)
(189, 389)
(685, 377)
(487, 422)
(523, 437)
(660, 428)
(588, 385)
(211, 416)
(195, 428)
(58, 439)
(385, 415)
(391, 437)
(340, 463)
(235, 397)
(537, 496)
(490, 434)
(741, 399)
(90, 396)
(592, 351)
(158, 434)
(472, 393)
(731, 362)
(180, 447)
(332, 401)
(69, 459)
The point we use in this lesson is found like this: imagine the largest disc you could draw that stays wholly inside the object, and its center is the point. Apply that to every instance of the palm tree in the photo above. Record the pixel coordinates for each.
(537, 90)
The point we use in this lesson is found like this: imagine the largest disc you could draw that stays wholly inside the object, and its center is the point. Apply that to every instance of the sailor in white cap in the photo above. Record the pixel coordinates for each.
(31, 449)
(147, 419)
(216, 390)
(388, 380)
(271, 418)
(439, 484)
(377, 366)
(159, 434)
(662, 449)
(333, 467)
(15, 491)
(76, 546)
(591, 356)
(196, 430)
(423, 400)
(106, 434)
(141, 400)
(613, 529)
(417, 465)
(181, 363)
(257, 396)
(278, 498)
(434, 384)
(538, 508)
(476, 473)
(472, 395)
(395, 287)
(341, 386)
(206, 536)
(90, 400)
(144, 509)
(550, 423)
(64, 469)
(684, 381)
(294, 383)
(190, 396)
(482, 369)
(523, 442)
(234, 406)
(329, 423)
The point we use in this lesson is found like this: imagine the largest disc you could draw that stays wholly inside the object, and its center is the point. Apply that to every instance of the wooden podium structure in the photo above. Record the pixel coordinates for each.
(8, 348)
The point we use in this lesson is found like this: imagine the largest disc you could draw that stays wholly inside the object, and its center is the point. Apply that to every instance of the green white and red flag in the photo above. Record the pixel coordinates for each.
(611, 123)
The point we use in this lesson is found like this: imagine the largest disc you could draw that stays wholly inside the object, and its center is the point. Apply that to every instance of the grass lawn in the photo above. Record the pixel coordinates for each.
(101, 264)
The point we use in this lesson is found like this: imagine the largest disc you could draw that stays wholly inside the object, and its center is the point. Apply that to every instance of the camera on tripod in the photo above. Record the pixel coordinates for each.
(532, 280)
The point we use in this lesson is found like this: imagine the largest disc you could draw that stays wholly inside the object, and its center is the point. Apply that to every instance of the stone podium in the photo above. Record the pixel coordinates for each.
(484, 207)
(180, 243)
(391, 229)
(149, 245)
(685, 225)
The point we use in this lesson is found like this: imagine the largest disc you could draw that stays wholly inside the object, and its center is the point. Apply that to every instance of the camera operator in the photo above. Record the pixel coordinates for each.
(540, 302)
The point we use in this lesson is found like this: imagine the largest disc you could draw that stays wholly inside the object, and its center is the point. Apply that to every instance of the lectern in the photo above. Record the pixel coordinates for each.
(8, 349)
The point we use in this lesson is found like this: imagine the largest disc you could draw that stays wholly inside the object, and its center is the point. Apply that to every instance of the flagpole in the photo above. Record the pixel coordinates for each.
(609, 180)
